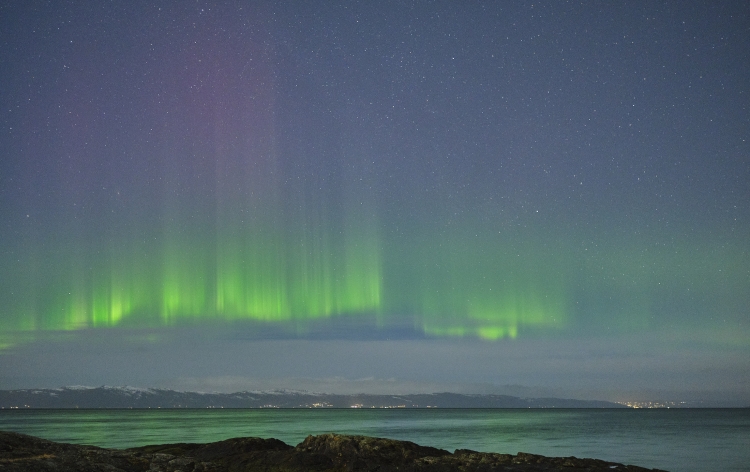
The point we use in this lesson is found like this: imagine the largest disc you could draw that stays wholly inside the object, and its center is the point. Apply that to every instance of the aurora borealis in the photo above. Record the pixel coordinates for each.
(482, 176)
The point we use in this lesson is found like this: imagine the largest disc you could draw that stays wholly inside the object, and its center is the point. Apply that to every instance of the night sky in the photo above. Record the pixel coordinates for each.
(377, 196)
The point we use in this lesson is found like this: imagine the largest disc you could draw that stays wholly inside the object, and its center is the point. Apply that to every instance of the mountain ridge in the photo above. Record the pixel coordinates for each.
(144, 398)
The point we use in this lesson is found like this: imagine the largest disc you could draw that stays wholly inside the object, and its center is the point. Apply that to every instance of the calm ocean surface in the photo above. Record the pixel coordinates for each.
(675, 440)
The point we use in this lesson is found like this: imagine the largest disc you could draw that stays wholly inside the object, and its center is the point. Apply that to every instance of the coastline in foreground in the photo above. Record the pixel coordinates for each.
(326, 452)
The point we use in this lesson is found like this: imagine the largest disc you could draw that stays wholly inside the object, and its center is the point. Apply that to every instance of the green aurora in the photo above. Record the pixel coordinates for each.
(285, 169)
(457, 284)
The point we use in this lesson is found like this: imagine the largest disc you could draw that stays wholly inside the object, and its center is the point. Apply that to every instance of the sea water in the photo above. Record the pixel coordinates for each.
(670, 439)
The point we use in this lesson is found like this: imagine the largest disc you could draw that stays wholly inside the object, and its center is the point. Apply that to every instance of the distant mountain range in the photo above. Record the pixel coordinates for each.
(130, 397)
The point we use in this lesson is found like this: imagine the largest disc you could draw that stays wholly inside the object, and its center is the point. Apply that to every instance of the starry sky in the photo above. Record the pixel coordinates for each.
(377, 196)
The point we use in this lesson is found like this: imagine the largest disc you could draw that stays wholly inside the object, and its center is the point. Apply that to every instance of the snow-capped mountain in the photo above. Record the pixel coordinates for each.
(131, 397)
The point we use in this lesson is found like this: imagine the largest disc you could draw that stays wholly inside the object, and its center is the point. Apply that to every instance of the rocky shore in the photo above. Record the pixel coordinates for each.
(327, 452)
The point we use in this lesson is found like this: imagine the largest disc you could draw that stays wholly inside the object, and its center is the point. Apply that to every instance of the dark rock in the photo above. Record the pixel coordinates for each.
(324, 453)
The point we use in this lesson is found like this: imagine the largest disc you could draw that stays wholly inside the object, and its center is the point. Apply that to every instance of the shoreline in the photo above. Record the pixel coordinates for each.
(325, 452)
